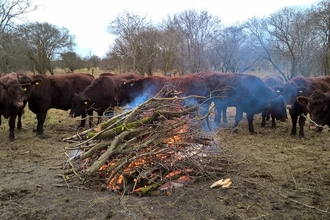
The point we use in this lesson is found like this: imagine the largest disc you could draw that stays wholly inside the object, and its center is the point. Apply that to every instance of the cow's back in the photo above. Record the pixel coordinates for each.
(56, 91)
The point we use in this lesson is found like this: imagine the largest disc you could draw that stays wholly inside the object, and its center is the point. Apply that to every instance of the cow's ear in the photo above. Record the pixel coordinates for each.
(36, 82)
(300, 90)
(278, 90)
(86, 101)
(303, 100)
(4, 85)
(26, 87)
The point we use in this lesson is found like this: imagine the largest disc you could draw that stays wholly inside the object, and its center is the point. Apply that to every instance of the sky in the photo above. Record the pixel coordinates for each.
(87, 20)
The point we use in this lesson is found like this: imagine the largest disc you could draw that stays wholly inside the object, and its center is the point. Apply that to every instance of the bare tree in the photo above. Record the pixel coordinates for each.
(11, 11)
(320, 19)
(128, 28)
(168, 52)
(71, 61)
(234, 50)
(287, 39)
(45, 42)
(195, 29)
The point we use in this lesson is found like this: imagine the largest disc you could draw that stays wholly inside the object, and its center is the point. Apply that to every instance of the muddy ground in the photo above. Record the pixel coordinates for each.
(275, 176)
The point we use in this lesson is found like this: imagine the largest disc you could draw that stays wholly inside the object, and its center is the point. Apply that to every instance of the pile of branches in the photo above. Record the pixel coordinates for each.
(154, 147)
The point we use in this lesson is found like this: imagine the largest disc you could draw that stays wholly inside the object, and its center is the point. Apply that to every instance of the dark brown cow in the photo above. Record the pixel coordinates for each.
(301, 86)
(12, 99)
(247, 93)
(56, 91)
(102, 95)
(144, 88)
(318, 106)
(272, 81)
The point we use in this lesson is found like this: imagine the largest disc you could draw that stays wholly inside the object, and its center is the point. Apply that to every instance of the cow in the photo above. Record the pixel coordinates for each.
(318, 106)
(192, 85)
(56, 91)
(102, 95)
(12, 99)
(147, 87)
(301, 86)
(272, 81)
(247, 93)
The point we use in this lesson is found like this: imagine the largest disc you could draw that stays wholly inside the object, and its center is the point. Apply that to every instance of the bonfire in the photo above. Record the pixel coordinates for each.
(153, 148)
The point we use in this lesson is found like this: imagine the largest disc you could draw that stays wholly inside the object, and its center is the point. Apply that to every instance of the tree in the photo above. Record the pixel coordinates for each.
(195, 31)
(288, 41)
(234, 50)
(127, 27)
(45, 42)
(71, 61)
(11, 58)
(320, 18)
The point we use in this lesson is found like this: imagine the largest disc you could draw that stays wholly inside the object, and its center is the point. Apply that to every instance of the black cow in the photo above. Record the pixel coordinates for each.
(102, 95)
(56, 91)
(301, 86)
(272, 81)
(247, 93)
(318, 106)
(12, 99)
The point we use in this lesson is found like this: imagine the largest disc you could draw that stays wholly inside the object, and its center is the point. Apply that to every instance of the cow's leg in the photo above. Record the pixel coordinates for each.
(238, 117)
(19, 121)
(273, 122)
(41, 117)
(294, 119)
(224, 115)
(204, 110)
(90, 118)
(11, 124)
(82, 121)
(263, 118)
(217, 115)
(302, 120)
(250, 121)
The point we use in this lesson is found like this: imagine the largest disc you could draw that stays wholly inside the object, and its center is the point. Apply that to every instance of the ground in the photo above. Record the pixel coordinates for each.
(275, 176)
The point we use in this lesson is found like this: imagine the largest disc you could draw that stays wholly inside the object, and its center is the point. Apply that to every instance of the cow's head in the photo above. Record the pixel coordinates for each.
(318, 105)
(277, 108)
(24, 79)
(290, 91)
(14, 93)
(79, 105)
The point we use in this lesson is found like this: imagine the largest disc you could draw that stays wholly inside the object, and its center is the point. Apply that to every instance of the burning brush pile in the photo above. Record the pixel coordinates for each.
(152, 148)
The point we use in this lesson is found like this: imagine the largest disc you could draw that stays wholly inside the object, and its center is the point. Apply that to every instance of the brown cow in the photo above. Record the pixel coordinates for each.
(301, 86)
(318, 106)
(147, 87)
(12, 99)
(102, 95)
(56, 91)
(272, 81)
(247, 93)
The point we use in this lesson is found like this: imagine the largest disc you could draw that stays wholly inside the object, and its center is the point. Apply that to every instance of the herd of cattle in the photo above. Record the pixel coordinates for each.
(83, 94)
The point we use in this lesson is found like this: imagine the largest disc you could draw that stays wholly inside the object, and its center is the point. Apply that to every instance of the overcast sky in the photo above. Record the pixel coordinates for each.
(87, 20)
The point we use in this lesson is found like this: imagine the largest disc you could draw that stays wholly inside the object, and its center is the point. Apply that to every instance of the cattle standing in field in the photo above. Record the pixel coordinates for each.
(301, 86)
(102, 95)
(318, 106)
(272, 82)
(12, 99)
(56, 91)
(247, 93)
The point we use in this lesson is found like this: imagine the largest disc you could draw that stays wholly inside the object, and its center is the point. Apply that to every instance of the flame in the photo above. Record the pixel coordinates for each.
(118, 180)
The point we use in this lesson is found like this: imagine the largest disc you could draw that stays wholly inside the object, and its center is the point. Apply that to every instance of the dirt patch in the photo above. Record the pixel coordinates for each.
(275, 176)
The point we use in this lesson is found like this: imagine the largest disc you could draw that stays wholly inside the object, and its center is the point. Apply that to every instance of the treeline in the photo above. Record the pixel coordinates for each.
(292, 41)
